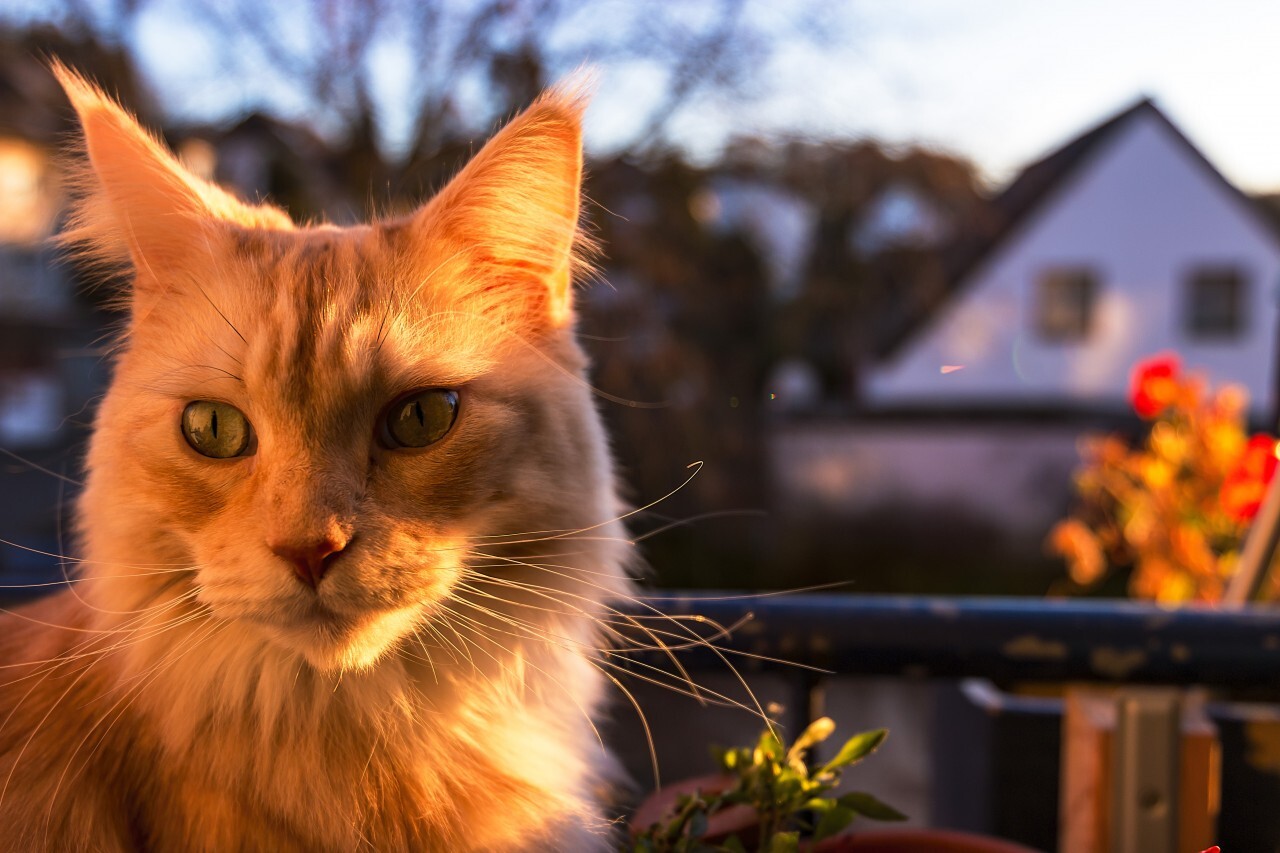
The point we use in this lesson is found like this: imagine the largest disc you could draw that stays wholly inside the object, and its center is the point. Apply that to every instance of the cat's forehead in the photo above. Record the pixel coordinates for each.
(311, 255)
(325, 311)
(319, 320)
(313, 278)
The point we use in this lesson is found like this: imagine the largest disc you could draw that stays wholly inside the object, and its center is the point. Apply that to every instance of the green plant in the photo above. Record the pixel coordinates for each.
(789, 798)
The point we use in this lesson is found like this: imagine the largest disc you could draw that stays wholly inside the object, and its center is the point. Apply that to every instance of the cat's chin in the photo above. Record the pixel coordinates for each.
(332, 643)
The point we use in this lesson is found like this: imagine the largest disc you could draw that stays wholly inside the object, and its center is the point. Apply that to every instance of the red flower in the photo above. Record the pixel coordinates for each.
(1246, 485)
(1153, 385)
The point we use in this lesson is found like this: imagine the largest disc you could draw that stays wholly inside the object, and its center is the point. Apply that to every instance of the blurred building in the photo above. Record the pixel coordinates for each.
(37, 300)
(1122, 243)
(261, 157)
(35, 297)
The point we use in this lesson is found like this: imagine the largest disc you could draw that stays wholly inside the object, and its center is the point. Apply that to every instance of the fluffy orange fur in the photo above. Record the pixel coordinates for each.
(435, 689)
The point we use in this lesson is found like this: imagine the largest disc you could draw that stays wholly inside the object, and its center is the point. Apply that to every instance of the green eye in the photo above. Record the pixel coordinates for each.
(215, 429)
(421, 418)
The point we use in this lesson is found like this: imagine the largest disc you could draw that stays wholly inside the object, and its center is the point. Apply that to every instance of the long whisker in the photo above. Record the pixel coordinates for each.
(87, 562)
(658, 643)
(711, 647)
(171, 657)
(37, 467)
(537, 351)
(546, 535)
(586, 716)
(90, 646)
(527, 629)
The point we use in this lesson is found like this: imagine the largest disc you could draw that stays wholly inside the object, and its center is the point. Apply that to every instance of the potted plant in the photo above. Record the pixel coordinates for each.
(1176, 506)
(769, 799)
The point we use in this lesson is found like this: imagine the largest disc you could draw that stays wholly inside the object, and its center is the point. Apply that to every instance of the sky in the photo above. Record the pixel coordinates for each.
(1005, 81)
(1001, 82)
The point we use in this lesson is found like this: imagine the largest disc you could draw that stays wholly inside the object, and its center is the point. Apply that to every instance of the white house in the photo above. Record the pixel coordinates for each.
(1124, 242)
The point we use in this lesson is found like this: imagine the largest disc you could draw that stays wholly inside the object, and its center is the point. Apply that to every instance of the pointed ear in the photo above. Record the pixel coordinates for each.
(513, 211)
(135, 202)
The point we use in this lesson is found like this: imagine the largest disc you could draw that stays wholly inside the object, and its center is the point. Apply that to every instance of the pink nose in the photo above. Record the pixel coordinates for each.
(309, 560)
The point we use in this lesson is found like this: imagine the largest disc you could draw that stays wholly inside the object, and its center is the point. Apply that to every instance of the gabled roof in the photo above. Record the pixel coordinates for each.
(1038, 183)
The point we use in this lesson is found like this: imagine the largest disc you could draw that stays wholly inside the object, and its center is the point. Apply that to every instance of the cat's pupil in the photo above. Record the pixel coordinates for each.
(420, 419)
(216, 430)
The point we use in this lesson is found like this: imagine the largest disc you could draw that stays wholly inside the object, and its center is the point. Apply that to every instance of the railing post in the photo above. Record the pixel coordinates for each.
(810, 697)
(1145, 760)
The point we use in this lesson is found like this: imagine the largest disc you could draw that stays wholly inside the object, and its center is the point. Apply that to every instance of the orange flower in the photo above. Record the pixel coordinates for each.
(1246, 485)
(1176, 505)
(1224, 440)
(1074, 541)
(1153, 385)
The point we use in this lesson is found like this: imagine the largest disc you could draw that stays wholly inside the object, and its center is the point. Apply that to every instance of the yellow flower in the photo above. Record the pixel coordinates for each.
(1225, 441)
(1176, 588)
(1157, 578)
(1139, 530)
(1169, 442)
(1157, 473)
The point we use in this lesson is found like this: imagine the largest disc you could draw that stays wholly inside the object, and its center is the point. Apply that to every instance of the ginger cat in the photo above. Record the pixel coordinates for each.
(348, 525)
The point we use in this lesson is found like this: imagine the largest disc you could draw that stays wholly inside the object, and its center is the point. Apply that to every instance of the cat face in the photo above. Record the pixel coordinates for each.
(347, 433)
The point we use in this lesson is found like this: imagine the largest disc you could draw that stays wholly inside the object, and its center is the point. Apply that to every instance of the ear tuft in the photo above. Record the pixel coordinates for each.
(133, 201)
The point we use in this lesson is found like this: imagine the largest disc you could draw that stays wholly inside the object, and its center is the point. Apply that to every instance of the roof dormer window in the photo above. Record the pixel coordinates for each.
(1215, 298)
(1063, 303)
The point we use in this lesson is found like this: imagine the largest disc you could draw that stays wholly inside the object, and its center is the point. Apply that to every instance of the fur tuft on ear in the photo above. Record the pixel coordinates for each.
(513, 211)
(134, 202)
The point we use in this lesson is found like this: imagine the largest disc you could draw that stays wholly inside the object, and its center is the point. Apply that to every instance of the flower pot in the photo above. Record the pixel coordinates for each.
(661, 804)
(919, 841)
(741, 821)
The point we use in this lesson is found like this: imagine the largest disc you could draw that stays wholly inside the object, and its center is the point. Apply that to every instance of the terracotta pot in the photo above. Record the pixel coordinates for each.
(919, 841)
(661, 804)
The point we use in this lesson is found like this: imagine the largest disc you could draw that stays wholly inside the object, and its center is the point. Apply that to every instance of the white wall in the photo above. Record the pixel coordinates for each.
(1141, 213)
(1015, 476)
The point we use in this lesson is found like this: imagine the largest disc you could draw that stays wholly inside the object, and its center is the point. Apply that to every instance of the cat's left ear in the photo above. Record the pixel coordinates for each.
(136, 203)
(513, 211)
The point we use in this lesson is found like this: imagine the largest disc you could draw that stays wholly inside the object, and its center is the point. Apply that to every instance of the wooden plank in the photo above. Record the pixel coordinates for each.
(1085, 807)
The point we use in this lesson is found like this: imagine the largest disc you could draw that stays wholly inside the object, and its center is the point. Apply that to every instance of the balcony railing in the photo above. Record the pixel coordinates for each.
(1002, 639)
(1001, 667)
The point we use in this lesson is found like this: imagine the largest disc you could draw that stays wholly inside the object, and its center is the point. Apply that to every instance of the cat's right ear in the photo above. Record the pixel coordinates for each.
(512, 213)
(136, 204)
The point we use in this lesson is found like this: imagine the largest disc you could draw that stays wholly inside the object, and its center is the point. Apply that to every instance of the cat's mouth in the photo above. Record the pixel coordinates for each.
(351, 622)
(337, 641)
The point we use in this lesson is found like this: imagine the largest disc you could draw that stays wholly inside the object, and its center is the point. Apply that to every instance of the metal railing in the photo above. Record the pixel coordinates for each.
(1002, 639)
(1012, 641)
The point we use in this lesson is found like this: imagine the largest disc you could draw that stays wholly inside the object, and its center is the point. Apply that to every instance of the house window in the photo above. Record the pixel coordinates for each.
(1215, 302)
(1064, 303)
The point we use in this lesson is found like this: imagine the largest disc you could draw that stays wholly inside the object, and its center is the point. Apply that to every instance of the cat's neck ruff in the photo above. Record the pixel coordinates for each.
(433, 737)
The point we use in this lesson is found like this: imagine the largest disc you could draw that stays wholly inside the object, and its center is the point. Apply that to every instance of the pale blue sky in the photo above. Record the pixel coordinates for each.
(1000, 81)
